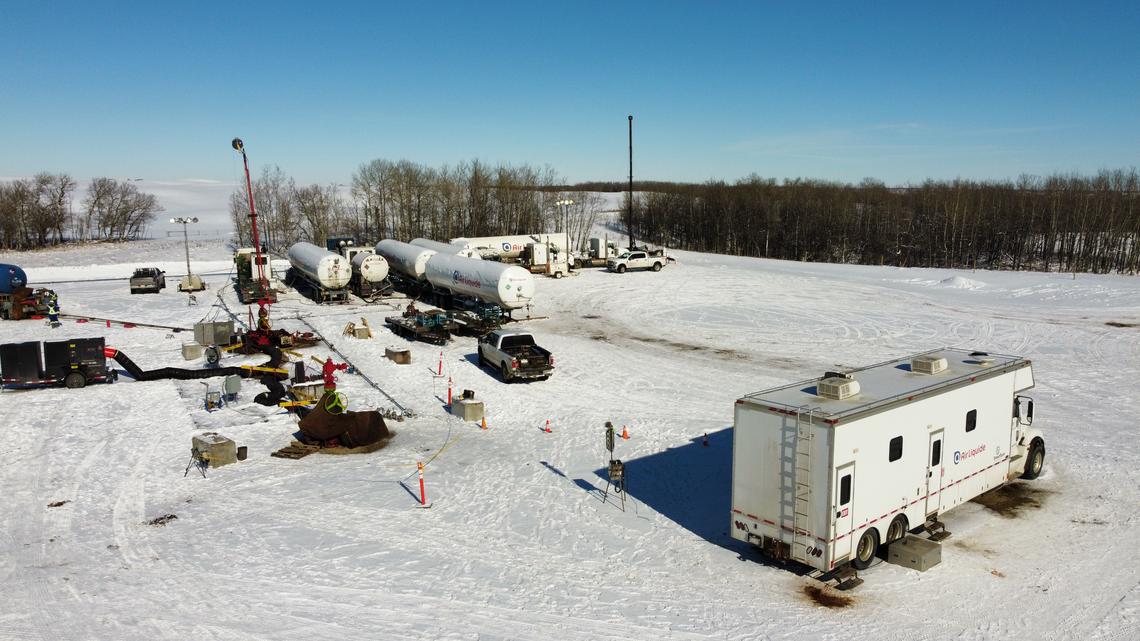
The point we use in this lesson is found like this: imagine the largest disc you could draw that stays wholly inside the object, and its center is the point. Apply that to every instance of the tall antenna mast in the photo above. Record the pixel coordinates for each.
(629, 216)
(237, 144)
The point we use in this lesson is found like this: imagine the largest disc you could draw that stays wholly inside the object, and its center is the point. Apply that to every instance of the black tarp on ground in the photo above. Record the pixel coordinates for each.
(351, 429)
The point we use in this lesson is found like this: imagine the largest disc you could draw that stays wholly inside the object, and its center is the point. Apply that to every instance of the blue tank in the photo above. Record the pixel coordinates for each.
(11, 278)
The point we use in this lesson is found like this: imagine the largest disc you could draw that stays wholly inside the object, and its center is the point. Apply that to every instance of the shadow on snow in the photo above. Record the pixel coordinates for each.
(690, 485)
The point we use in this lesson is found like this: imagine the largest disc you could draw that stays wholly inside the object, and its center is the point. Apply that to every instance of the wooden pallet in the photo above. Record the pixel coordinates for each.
(295, 450)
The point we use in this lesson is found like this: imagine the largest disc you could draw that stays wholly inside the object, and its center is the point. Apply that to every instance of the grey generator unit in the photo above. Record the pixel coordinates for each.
(828, 471)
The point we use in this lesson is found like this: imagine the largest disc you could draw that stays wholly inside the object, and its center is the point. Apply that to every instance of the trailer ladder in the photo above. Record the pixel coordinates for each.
(802, 480)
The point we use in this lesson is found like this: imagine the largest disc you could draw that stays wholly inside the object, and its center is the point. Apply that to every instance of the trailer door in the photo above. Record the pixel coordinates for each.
(934, 473)
(843, 514)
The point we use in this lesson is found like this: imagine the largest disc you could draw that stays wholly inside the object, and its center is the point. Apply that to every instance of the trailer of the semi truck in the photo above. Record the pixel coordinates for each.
(829, 471)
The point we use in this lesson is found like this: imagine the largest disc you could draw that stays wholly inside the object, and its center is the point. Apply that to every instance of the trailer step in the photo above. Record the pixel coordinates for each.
(845, 576)
(936, 529)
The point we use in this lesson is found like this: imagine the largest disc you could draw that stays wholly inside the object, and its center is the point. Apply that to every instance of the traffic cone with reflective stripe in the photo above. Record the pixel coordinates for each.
(624, 433)
(547, 429)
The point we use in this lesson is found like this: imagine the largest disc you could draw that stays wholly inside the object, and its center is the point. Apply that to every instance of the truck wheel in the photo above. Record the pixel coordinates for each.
(1036, 461)
(621, 269)
(895, 531)
(865, 550)
(506, 372)
(557, 275)
(75, 380)
(656, 267)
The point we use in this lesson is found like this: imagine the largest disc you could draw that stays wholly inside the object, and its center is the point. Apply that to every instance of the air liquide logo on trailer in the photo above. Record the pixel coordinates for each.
(14, 279)
(506, 247)
(959, 456)
(457, 277)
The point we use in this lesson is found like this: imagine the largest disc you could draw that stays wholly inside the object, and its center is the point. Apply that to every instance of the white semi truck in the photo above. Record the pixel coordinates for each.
(509, 248)
(829, 470)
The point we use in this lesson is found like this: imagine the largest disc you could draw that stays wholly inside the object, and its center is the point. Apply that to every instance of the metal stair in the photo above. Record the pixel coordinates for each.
(936, 529)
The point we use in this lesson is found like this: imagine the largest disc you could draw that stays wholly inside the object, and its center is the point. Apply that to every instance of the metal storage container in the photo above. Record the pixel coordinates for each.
(214, 333)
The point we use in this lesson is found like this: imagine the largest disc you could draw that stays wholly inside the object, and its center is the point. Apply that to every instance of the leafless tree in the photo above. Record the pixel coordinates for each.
(118, 210)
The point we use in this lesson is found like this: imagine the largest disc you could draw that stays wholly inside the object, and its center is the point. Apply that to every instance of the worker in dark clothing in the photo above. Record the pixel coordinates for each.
(53, 311)
(411, 310)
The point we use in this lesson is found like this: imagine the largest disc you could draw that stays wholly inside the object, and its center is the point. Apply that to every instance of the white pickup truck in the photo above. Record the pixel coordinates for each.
(638, 259)
(515, 355)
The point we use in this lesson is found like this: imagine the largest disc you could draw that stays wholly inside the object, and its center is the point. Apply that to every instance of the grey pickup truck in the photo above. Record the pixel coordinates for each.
(147, 280)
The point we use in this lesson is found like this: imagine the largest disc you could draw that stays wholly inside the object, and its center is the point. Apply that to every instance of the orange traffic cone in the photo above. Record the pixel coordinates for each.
(484, 423)
(624, 433)
(547, 430)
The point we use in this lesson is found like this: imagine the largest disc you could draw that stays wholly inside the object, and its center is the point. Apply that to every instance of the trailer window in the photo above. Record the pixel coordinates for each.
(936, 453)
(971, 420)
(845, 490)
(895, 449)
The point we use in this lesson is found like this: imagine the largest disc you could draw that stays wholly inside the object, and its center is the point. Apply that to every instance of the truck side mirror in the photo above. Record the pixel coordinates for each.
(1027, 417)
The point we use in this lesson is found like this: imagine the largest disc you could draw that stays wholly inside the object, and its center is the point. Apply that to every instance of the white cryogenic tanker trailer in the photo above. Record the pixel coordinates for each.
(318, 273)
(508, 286)
(406, 260)
(455, 249)
(369, 273)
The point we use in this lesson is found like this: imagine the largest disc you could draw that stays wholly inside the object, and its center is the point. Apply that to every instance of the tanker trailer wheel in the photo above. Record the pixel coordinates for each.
(75, 380)
(866, 548)
(656, 267)
(1036, 460)
(506, 372)
(621, 269)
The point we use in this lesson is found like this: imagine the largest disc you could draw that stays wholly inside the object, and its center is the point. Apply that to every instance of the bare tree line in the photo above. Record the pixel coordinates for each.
(39, 211)
(405, 200)
(1059, 222)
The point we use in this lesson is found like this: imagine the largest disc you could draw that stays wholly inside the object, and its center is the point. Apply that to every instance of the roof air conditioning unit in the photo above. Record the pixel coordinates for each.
(928, 364)
(837, 387)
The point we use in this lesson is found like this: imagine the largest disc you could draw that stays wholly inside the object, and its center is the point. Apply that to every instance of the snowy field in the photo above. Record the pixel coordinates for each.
(518, 543)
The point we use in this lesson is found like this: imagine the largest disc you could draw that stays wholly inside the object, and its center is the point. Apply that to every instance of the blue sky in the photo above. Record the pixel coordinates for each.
(899, 92)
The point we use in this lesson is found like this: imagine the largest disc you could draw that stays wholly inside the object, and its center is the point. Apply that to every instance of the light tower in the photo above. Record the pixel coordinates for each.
(189, 282)
(565, 205)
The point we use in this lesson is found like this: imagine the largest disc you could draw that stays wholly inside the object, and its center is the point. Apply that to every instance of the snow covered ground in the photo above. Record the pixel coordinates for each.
(518, 543)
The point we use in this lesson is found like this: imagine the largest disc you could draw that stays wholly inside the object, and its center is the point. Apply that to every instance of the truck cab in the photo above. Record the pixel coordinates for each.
(515, 355)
